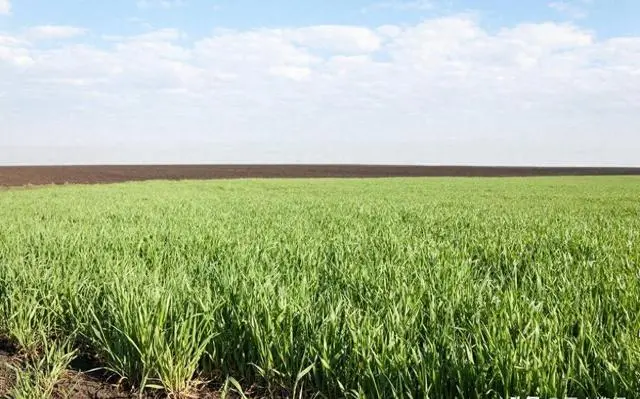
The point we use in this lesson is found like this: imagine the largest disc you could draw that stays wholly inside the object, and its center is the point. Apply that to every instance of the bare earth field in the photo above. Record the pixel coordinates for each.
(39, 175)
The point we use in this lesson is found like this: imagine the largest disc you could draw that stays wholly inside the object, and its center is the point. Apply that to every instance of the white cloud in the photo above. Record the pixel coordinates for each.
(6, 40)
(548, 36)
(445, 90)
(291, 72)
(166, 4)
(14, 51)
(575, 9)
(53, 32)
(5, 7)
(341, 39)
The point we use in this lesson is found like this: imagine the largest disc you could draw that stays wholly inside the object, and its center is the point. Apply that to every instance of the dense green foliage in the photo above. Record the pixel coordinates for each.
(378, 288)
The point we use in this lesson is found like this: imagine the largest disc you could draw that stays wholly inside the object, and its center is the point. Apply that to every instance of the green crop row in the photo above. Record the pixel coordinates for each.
(338, 288)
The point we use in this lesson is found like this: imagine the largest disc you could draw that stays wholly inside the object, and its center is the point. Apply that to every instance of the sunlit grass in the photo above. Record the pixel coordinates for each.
(371, 288)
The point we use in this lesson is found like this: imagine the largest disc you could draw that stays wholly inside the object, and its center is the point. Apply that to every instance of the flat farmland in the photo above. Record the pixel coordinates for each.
(39, 175)
(371, 288)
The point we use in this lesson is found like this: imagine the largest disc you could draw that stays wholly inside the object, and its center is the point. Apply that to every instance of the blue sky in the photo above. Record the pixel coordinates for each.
(360, 81)
(198, 17)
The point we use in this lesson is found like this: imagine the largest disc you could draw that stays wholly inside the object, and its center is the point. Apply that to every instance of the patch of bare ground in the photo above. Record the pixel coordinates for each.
(6, 375)
(41, 175)
(73, 385)
(78, 384)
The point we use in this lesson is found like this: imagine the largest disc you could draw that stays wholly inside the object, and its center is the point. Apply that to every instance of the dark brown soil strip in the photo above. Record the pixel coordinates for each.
(39, 175)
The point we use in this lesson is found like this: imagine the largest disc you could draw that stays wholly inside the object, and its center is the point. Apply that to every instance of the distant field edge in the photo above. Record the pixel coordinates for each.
(95, 174)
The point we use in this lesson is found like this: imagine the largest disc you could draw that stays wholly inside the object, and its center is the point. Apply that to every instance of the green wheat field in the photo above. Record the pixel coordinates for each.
(383, 288)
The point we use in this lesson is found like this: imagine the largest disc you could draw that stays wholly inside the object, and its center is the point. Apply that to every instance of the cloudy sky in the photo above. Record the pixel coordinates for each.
(528, 82)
